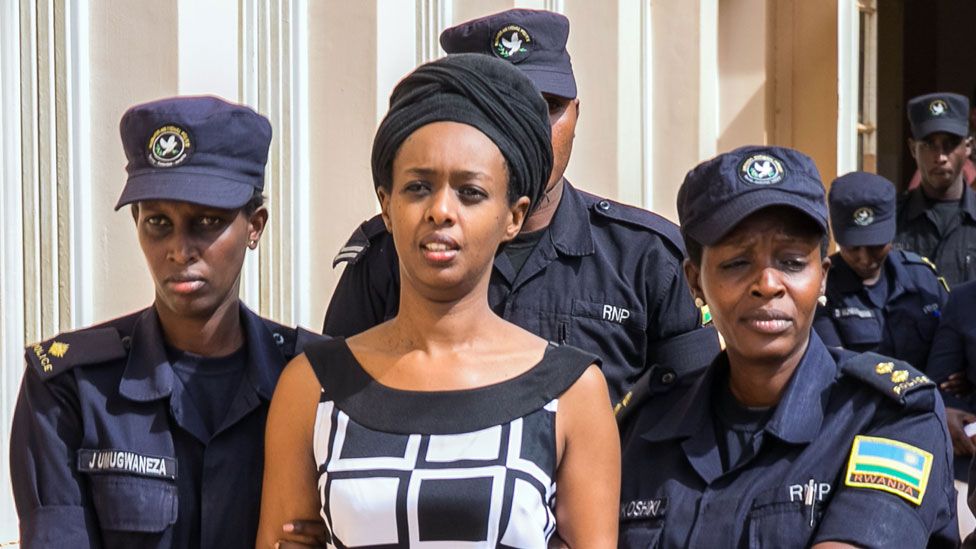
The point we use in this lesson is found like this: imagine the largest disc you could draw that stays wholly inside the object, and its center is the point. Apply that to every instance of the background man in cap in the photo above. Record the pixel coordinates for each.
(938, 219)
(586, 271)
(878, 299)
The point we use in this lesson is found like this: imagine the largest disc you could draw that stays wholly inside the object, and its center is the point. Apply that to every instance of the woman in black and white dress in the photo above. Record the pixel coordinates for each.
(446, 423)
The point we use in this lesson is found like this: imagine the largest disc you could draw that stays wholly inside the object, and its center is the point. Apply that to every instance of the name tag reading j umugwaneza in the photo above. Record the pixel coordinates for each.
(124, 461)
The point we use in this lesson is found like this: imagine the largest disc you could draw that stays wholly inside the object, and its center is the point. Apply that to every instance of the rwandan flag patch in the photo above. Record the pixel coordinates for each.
(889, 465)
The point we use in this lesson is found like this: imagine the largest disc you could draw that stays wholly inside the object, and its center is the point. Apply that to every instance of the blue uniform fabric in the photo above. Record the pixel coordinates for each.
(607, 278)
(953, 249)
(106, 452)
(903, 328)
(954, 346)
(674, 492)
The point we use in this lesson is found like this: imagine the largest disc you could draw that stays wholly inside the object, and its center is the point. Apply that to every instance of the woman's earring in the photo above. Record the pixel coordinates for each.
(699, 302)
(252, 244)
(822, 300)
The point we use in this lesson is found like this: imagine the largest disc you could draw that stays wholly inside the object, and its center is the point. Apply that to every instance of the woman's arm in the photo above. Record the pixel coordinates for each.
(588, 475)
(289, 492)
(52, 500)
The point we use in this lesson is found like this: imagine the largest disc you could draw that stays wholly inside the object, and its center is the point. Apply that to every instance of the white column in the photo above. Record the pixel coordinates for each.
(848, 73)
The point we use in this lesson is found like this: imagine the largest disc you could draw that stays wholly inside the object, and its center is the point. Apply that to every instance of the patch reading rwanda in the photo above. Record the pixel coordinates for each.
(888, 465)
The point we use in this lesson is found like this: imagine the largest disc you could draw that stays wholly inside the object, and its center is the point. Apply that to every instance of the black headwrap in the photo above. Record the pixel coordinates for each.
(483, 92)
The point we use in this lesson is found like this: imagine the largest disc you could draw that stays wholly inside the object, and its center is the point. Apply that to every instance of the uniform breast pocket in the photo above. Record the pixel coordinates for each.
(912, 336)
(859, 333)
(619, 326)
(127, 503)
(641, 535)
(779, 518)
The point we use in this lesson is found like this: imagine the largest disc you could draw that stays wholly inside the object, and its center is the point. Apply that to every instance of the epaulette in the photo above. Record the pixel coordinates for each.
(894, 378)
(915, 259)
(639, 217)
(68, 350)
(358, 242)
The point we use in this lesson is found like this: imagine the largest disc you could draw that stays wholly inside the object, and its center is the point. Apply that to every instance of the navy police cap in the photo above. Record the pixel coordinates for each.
(533, 40)
(939, 112)
(862, 209)
(201, 149)
(719, 193)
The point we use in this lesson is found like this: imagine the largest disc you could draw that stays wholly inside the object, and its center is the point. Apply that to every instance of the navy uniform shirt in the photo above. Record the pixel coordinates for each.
(606, 278)
(954, 346)
(108, 449)
(954, 249)
(857, 446)
(903, 328)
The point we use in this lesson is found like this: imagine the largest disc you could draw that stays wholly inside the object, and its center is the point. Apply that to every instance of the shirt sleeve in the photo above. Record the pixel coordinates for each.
(367, 294)
(871, 516)
(52, 500)
(948, 354)
(676, 337)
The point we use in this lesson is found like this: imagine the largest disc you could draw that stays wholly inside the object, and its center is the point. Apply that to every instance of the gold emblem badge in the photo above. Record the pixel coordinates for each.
(884, 368)
(58, 349)
(899, 376)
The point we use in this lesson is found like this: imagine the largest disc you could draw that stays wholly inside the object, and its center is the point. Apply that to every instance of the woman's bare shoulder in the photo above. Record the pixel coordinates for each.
(298, 384)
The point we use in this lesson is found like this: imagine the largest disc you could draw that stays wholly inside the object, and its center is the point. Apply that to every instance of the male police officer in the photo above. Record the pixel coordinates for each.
(938, 219)
(878, 299)
(585, 270)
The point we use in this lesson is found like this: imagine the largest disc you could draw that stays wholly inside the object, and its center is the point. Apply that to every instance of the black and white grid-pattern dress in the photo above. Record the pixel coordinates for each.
(448, 469)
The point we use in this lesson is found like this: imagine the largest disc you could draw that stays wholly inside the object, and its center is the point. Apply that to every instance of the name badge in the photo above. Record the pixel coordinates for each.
(853, 311)
(123, 461)
(642, 509)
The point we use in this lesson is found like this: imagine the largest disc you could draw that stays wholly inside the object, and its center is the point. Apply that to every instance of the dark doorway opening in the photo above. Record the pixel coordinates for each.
(924, 46)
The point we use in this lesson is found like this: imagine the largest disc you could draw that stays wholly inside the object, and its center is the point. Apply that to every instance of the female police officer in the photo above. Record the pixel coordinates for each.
(782, 443)
(446, 425)
(878, 299)
(147, 431)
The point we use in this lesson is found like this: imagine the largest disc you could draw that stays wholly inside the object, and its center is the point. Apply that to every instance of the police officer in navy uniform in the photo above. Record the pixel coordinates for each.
(938, 219)
(147, 430)
(878, 299)
(783, 442)
(585, 270)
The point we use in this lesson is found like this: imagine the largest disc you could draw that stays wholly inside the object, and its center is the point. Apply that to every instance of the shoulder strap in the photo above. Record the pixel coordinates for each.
(68, 350)
(893, 378)
(359, 241)
(564, 364)
(335, 368)
(639, 217)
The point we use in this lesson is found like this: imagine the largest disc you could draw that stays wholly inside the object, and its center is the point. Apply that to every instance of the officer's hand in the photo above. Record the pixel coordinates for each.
(957, 384)
(957, 420)
(311, 532)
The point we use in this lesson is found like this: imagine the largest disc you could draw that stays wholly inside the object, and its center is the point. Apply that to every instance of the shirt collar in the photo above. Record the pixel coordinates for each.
(570, 227)
(917, 205)
(149, 376)
(797, 417)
